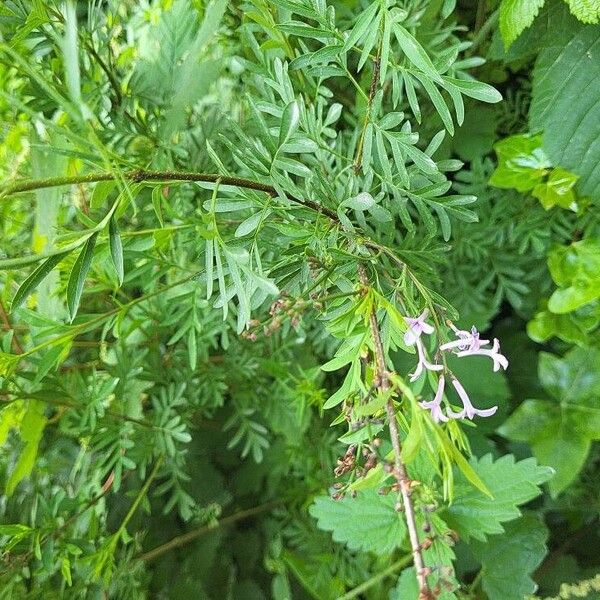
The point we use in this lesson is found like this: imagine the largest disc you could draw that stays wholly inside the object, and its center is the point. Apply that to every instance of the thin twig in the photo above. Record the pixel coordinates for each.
(358, 590)
(186, 538)
(383, 384)
(372, 91)
(16, 344)
(141, 175)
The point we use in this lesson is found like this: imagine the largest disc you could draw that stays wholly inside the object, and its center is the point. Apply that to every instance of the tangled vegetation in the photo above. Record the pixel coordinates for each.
(299, 299)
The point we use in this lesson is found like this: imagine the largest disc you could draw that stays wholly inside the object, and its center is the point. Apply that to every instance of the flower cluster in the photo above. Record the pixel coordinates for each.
(467, 343)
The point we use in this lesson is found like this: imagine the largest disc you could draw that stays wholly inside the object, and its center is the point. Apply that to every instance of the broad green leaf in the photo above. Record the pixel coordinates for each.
(576, 270)
(515, 16)
(521, 163)
(560, 431)
(566, 103)
(508, 561)
(29, 285)
(558, 190)
(567, 327)
(587, 11)
(78, 274)
(368, 522)
(116, 248)
(511, 484)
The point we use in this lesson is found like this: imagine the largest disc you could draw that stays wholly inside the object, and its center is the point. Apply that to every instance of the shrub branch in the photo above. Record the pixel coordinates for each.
(383, 384)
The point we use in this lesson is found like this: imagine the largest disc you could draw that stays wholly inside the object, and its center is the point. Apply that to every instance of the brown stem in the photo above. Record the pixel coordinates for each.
(383, 384)
(186, 538)
(372, 91)
(140, 175)
(16, 344)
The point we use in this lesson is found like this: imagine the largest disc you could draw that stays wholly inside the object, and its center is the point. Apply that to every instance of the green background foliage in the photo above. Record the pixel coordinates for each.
(191, 403)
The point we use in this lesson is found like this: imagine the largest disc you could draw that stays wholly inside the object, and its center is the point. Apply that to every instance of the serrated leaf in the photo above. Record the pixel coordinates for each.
(511, 484)
(560, 431)
(116, 248)
(367, 522)
(515, 16)
(566, 104)
(29, 285)
(78, 274)
(587, 11)
(518, 552)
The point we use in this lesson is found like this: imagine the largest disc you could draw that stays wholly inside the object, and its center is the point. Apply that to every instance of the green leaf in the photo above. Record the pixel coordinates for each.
(439, 557)
(521, 163)
(29, 285)
(31, 429)
(576, 270)
(116, 248)
(361, 26)
(415, 53)
(290, 119)
(250, 224)
(476, 89)
(560, 431)
(157, 201)
(587, 11)
(78, 274)
(566, 103)
(508, 561)
(101, 191)
(515, 16)
(511, 484)
(557, 190)
(368, 522)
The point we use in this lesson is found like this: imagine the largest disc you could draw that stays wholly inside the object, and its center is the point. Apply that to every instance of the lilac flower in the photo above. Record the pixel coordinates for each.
(468, 411)
(467, 340)
(435, 405)
(412, 337)
(416, 327)
(423, 362)
(494, 353)
(469, 344)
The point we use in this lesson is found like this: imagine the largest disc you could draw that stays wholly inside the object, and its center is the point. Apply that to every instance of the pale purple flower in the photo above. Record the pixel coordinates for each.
(435, 405)
(416, 327)
(412, 337)
(468, 411)
(467, 340)
(494, 353)
(423, 362)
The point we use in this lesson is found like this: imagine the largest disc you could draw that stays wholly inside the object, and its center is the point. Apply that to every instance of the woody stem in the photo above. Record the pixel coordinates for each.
(383, 384)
